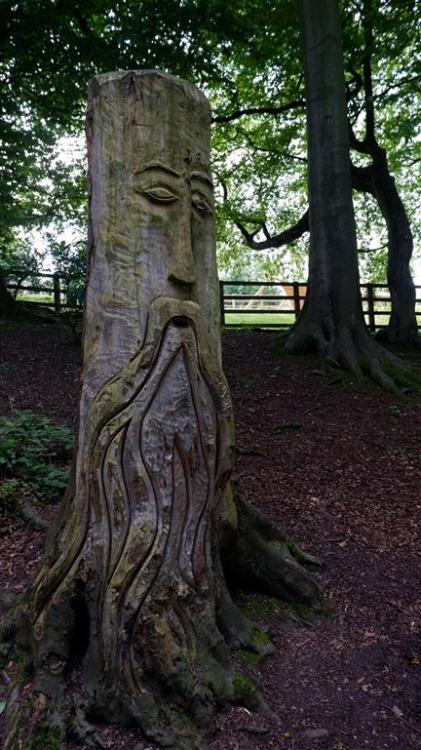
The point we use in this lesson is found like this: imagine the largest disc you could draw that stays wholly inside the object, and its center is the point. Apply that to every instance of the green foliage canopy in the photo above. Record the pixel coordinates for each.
(246, 56)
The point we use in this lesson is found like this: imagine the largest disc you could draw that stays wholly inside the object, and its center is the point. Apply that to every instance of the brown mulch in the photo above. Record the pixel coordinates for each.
(337, 466)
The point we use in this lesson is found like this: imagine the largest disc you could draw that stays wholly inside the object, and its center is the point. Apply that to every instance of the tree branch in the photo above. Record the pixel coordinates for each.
(396, 84)
(357, 79)
(278, 240)
(295, 104)
(255, 147)
(362, 179)
(360, 146)
(372, 249)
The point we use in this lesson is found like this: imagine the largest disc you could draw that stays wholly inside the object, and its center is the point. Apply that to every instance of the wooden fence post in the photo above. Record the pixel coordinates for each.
(57, 292)
(221, 302)
(297, 307)
(371, 312)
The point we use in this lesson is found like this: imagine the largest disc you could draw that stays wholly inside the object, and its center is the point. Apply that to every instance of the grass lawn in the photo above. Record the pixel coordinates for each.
(35, 297)
(259, 319)
(262, 319)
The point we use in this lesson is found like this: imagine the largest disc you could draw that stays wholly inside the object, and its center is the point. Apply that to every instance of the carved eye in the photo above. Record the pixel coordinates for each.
(201, 203)
(160, 194)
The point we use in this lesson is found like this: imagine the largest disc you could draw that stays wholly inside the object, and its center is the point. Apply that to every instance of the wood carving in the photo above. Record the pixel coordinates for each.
(130, 618)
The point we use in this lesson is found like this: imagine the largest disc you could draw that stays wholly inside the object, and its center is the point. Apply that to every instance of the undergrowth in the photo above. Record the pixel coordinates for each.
(34, 458)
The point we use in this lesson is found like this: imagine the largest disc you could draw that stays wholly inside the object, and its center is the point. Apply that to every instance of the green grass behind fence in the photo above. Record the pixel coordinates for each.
(258, 319)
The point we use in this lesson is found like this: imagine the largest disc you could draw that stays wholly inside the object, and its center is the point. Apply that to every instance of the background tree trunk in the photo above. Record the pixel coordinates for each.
(7, 303)
(402, 326)
(130, 618)
(332, 320)
(377, 180)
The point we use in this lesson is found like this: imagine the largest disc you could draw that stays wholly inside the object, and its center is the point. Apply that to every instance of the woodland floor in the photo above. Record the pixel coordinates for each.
(339, 467)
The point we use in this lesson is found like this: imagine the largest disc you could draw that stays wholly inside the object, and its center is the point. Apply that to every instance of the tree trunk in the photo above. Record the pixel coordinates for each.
(7, 303)
(402, 328)
(332, 320)
(130, 618)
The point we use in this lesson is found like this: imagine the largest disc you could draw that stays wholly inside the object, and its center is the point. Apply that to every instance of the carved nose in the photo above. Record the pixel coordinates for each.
(182, 267)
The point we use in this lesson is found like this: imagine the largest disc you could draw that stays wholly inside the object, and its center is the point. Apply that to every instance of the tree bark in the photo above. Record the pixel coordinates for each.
(7, 303)
(130, 617)
(402, 327)
(377, 180)
(332, 320)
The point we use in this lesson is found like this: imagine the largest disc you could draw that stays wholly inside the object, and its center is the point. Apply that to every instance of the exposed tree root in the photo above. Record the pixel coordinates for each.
(411, 340)
(59, 700)
(262, 558)
(352, 348)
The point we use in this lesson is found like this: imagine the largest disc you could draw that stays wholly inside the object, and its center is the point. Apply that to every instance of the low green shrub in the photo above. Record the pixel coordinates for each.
(34, 457)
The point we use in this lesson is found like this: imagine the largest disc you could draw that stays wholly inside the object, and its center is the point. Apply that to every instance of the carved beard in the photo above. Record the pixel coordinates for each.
(158, 467)
(152, 472)
(153, 491)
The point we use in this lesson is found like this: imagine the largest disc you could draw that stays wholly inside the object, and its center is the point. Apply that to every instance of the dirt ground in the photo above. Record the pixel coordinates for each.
(337, 466)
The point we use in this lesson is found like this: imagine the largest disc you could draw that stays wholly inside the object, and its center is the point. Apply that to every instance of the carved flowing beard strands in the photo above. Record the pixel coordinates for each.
(151, 490)
(165, 450)
(127, 384)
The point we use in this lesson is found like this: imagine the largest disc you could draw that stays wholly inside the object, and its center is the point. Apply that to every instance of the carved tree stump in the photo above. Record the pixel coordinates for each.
(129, 616)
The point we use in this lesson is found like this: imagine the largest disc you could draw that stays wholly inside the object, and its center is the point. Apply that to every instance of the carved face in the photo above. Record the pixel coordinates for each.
(174, 211)
(152, 223)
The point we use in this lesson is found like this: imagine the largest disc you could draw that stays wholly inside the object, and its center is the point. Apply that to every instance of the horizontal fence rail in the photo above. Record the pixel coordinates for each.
(268, 308)
(263, 304)
(57, 291)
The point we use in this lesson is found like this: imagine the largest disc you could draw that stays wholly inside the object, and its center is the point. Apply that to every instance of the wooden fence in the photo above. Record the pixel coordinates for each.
(272, 304)
(52, 289)
(281, 306)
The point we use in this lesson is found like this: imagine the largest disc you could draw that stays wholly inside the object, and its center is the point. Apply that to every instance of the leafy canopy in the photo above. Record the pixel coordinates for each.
(246, 57)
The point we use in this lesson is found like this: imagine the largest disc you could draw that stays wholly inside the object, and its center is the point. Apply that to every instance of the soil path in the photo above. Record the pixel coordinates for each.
(339, 467)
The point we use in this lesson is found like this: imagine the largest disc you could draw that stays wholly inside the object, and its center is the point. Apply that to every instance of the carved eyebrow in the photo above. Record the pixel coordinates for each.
(203, 177)
(158, 165)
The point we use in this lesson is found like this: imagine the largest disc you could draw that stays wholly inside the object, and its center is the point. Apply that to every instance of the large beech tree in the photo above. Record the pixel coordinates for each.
(130, 617)
(243, 54)
(332, 320)
(381, 77)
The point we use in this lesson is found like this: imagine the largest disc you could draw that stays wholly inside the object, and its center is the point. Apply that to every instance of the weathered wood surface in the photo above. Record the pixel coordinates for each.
(131, 571)
(151, 205)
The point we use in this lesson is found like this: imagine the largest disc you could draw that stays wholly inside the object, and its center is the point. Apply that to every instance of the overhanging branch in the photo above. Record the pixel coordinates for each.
(275, 152)
(278, 240)
(362, 180)
(295, 104)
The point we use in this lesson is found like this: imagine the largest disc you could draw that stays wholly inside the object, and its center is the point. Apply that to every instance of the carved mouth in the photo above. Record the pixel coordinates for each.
(181, 321)
(184, 316)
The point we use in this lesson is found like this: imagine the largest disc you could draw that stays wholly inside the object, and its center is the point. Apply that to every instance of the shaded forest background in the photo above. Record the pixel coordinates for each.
(246, 57)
